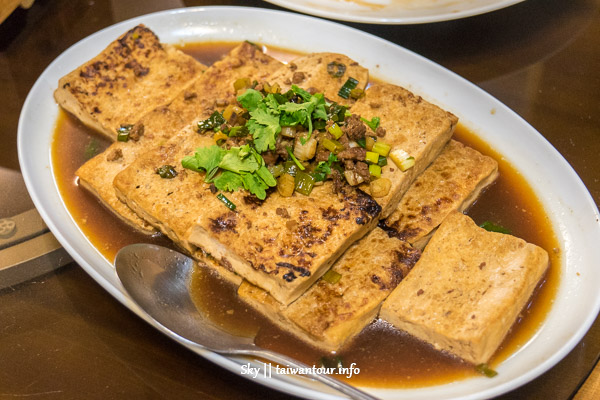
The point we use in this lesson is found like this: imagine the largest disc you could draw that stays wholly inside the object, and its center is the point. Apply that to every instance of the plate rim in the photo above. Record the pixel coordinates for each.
(394, 20)
(117, 291)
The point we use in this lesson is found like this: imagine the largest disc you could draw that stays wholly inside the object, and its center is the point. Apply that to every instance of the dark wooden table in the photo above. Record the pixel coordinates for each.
(63, 336)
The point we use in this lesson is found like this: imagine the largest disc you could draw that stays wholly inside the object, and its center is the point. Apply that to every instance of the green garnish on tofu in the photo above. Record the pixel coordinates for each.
(213, 122)
(373, 123)
(232, 169)
(166, 171)
(269, 113)
(324, 168)
(123, 132)
(493, 227)
(228, 203)
(484, 369)
(346, 89)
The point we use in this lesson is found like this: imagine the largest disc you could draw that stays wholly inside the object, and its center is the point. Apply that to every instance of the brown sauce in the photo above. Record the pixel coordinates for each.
(385, 356)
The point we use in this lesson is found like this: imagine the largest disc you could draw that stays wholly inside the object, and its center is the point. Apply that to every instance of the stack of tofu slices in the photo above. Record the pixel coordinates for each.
(410, 257)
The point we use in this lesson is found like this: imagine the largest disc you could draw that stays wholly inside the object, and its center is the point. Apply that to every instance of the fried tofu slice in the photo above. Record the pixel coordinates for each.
(132, 76)
(210, 90)
(281, 244)
(329, 315)
(452, 182)
(412, 124)
(325, 72)
(467, 289)
(341, 303)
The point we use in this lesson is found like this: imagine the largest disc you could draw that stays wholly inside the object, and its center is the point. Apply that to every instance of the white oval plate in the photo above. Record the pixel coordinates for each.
(572, 210)
(394, 11)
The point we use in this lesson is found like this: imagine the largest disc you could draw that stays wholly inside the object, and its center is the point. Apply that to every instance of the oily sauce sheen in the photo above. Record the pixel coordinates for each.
(386, 357)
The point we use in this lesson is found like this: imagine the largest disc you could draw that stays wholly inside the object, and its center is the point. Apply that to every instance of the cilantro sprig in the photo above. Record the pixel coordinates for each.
(244, 167)
(229, 170)
(373, 123)
(324, 168)
(269, 113)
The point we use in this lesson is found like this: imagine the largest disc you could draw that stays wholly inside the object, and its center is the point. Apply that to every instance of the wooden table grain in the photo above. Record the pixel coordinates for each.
(63, 336)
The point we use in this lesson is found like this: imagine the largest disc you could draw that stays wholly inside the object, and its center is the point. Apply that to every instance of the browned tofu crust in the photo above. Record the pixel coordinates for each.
(453, 181)
(412, 124)
(467, 289)
(337, 307)
(132, 76)
(281, 244)
(210, 90)
(313, 72)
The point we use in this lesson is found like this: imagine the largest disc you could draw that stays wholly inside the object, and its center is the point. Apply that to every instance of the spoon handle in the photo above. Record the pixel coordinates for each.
(338, 385)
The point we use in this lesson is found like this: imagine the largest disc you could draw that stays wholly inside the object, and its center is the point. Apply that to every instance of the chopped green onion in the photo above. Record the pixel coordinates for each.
(242, 83)
(375, 170)
(335, 362)
(332, 277)
(484, 369)
(382, 162)
(219, 137)
(336, 69)
(381, 148)
(356, 93)
(407, 164)
(276, 170)
(369, 142)
(346, 89)
(228, 203)
(123, 133)
(372, 157)
(362, 142)
(336, 113)
(492, 227)
(166, 172)
(290, 168)
(402, 159)
(335, 131)
(304, 183)
(286, 185)
(92, 148)
(274, 88)
(332, 145)
(239, 130)
(213, 122)
(293, 157)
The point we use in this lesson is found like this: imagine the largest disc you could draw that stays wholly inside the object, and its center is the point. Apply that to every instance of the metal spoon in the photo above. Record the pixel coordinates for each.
(157, 279)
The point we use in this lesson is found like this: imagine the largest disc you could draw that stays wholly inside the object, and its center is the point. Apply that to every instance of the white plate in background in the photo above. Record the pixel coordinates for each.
(572, 211)
(394, 11)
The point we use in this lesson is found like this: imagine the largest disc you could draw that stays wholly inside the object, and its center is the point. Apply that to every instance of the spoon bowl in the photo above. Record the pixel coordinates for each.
(157, 279)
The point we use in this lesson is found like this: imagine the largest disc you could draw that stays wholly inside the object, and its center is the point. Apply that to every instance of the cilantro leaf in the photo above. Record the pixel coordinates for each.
(301, 92)
(206, 159)
(271, 101)
(264, 116)
(264, 174)
(228, 181)
(373, 123)
(236, 160)
(264, 135)
(324, 168)
(255, 185)
(250, 99)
